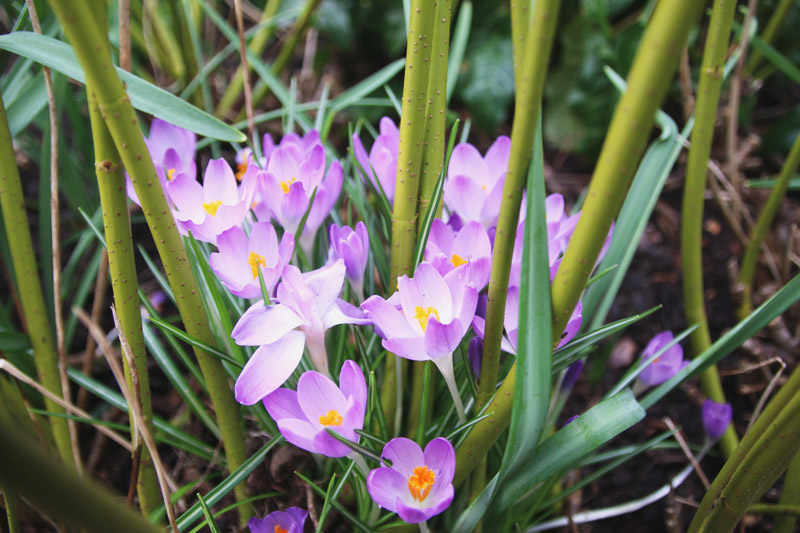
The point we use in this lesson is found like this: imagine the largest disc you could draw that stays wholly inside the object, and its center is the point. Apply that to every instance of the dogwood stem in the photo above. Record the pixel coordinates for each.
(91, 46)
(34, 312)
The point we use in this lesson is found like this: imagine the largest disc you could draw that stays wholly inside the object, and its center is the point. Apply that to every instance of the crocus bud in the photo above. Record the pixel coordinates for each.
(571, 375)
(475, 353)
(352, 246)
(716, 418)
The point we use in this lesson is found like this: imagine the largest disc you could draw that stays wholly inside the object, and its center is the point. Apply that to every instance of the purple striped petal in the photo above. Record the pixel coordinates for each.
(269, 368)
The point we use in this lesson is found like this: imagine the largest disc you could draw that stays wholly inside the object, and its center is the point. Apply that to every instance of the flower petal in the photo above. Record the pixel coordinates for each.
(412, 348)
(442, 339)
(405, 455)
(261, 325)
(282, 403)
(317, 395)
(352, 383)
(269, 368)
(440, 455)
(386, 486)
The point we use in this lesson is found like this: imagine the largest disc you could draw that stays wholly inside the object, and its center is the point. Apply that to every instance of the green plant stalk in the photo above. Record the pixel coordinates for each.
(299, 26)
(520, 21)
(530, 86)
(759, 232)
(119, 242)
(257, 45)
(790, 498)
(654, 64)
(778, 16)
(168, 53)
(432, 162)
(648, 81)
(409, 162)
(759, 460)
(34, 311)
(25, 468)
(708, 92)
(92, 49)
(10, 500)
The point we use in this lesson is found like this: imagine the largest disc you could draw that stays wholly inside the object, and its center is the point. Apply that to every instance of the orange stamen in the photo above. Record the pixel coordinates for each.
(171, 174)
(279, 529)
(420, 483)
(211, 208)
(285, 185)
(331, 418)
(422, 315)
(457, 260)
(255, 260)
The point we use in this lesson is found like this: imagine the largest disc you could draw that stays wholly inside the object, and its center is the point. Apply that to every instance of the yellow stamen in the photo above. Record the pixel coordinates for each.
(255, 260)
(332, 418)
(285, 185)
(422, 315)
(483, 187)
(171, 174)
(420, 483)
(458, 260)
(279, 529)
(211, 208)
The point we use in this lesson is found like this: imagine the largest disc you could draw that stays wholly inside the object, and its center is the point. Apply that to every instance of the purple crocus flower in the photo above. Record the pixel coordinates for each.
(215, 206)
(324, 201)
(508, 342)
(419, 484)
(475, 355)
(664, 366)
(435, 313)
(292, 520)
(571, 375)
(353, 247)
(172, 149)
(716, 418)
(382, 160)
(304, 416)
(308, 304)
(241, 257)
(474, 185)
(447, 250)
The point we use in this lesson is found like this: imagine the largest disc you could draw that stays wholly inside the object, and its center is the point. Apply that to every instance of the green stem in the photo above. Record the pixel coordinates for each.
(708, 91)
(33, 474)
(529, 85)
(790, 498)
(29, 289)
(778, 16)
(300, 25)
(10, 500)
(257, 45)
(759, 232)
(520, 21)
(432, 161)
(782, 510)
(121, 262)
(759, 460)
(648, 81)
(409, 162)
(92, 49)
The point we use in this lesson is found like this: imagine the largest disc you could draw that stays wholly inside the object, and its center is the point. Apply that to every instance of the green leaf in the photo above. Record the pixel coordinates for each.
(144, 96)
(589, 431)
(458, 46)
(769, 183)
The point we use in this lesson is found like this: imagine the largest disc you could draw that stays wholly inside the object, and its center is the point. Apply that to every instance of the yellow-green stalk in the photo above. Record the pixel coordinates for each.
(648, 80)
(777, 17)
(119, 243)
(409, 163)
(708, 91)
(92, 49)
(759, 231)
(34, 311)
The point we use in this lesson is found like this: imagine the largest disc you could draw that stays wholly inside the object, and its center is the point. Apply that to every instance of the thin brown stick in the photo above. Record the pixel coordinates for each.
(131, 398)
(15, 372)
(100, 290)
(687, 452)
(248, 94)
(55, 230)
(124, 10)
(687, 92)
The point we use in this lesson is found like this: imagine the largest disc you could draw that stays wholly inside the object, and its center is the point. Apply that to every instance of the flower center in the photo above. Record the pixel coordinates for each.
(211, 208)
(279, 529)
(420, 483)
(331, 418)
(171, 174)
(423, 314)
(285, 185)
(255, 260)
(241, 168)
(457, 260)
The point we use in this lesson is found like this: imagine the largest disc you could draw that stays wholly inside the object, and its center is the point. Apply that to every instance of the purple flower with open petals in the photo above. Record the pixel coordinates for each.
(318, 405)
(292, 520)
(241, 257)
(419, 484)
(447, 250)
(474, 185)
(172, 149)
(434, 314)
(215, 206)
(716, 418)
(308, 304)
(664, 366)
(353, 247)
(382, 159)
